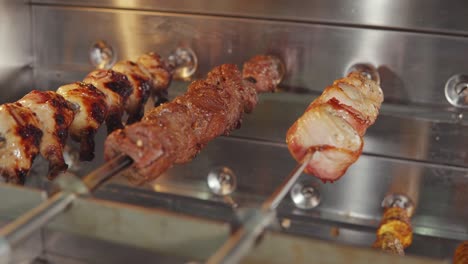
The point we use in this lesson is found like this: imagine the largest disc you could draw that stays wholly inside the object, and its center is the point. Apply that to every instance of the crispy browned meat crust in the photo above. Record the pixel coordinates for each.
(175, 132)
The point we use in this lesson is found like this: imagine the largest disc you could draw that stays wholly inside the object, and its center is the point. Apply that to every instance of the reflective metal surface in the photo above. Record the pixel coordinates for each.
(101, 55)
(16, 51)
(305, 196)
(422, 15)
(413, 67)
(456, 90)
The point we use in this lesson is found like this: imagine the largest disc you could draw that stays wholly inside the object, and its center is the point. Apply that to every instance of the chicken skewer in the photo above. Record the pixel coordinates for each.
(42, 120)
(22, 227)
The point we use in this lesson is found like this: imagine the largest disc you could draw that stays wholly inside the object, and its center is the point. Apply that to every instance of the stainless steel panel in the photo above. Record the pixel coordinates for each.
(423, 15)
(399, 134)
(15, 49)
(15, 202)
(148, 229)
(355, 199)
(20, 200)
(414, 67)
(281, 248)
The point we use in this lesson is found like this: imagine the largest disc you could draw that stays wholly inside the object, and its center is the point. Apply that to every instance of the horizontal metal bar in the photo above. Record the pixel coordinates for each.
(430, 16)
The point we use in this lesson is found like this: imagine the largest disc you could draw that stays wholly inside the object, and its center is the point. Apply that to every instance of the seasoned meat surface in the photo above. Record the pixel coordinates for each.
(264, 71)
(90, 109)
(54, 115)
(20, 137)
(117, 89)
(42, 120)
(142, 87)
(176, 131)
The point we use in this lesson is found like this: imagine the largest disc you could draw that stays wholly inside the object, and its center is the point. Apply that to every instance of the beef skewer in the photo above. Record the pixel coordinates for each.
(175, 132)
(42, 120)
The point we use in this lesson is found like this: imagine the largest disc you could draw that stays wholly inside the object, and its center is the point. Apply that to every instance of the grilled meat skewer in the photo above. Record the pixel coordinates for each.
(332, 127)
(42, 120)
(175, 132)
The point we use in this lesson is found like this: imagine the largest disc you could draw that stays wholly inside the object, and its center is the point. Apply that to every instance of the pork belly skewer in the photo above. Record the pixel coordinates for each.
(325, 141)
(175, 132)
(332, 127)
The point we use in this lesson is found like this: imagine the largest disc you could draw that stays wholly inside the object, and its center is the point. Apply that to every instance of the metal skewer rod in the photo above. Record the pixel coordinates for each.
(240, 243)
(22, 227)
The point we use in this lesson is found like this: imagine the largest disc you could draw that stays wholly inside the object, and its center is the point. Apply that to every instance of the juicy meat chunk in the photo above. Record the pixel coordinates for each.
(142, 87)
(90, 109)
(331, 140)
(144, 143)
(20, 137)
(264, 71)
(175, 132)
(332, 127)
(116, 88)
(55, 114)
(179, 120)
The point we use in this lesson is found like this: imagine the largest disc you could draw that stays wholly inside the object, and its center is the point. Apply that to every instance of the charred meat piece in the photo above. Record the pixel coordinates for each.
(160, 73)
(175, 132)
(90, 109)
(20, 137)
(55, 114)
(142, 87)
(332, 127)
(117, 90)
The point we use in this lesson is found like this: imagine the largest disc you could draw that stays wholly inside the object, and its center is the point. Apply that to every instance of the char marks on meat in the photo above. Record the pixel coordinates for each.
(142, 87)
(176, 131)
(42, 120)
(332, 127)
(55, 115)
(117, 89)
(20, 137)
(90, 108)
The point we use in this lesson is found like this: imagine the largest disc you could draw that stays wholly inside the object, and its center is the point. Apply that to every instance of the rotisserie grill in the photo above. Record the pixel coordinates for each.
(233, 132)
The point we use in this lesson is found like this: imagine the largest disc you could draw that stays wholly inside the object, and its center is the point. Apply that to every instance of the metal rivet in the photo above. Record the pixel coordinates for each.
(305, 196)
(102, 55)
(185, 62)
(222, 181)
(456, 90)
(399, 200)
(367, 70)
